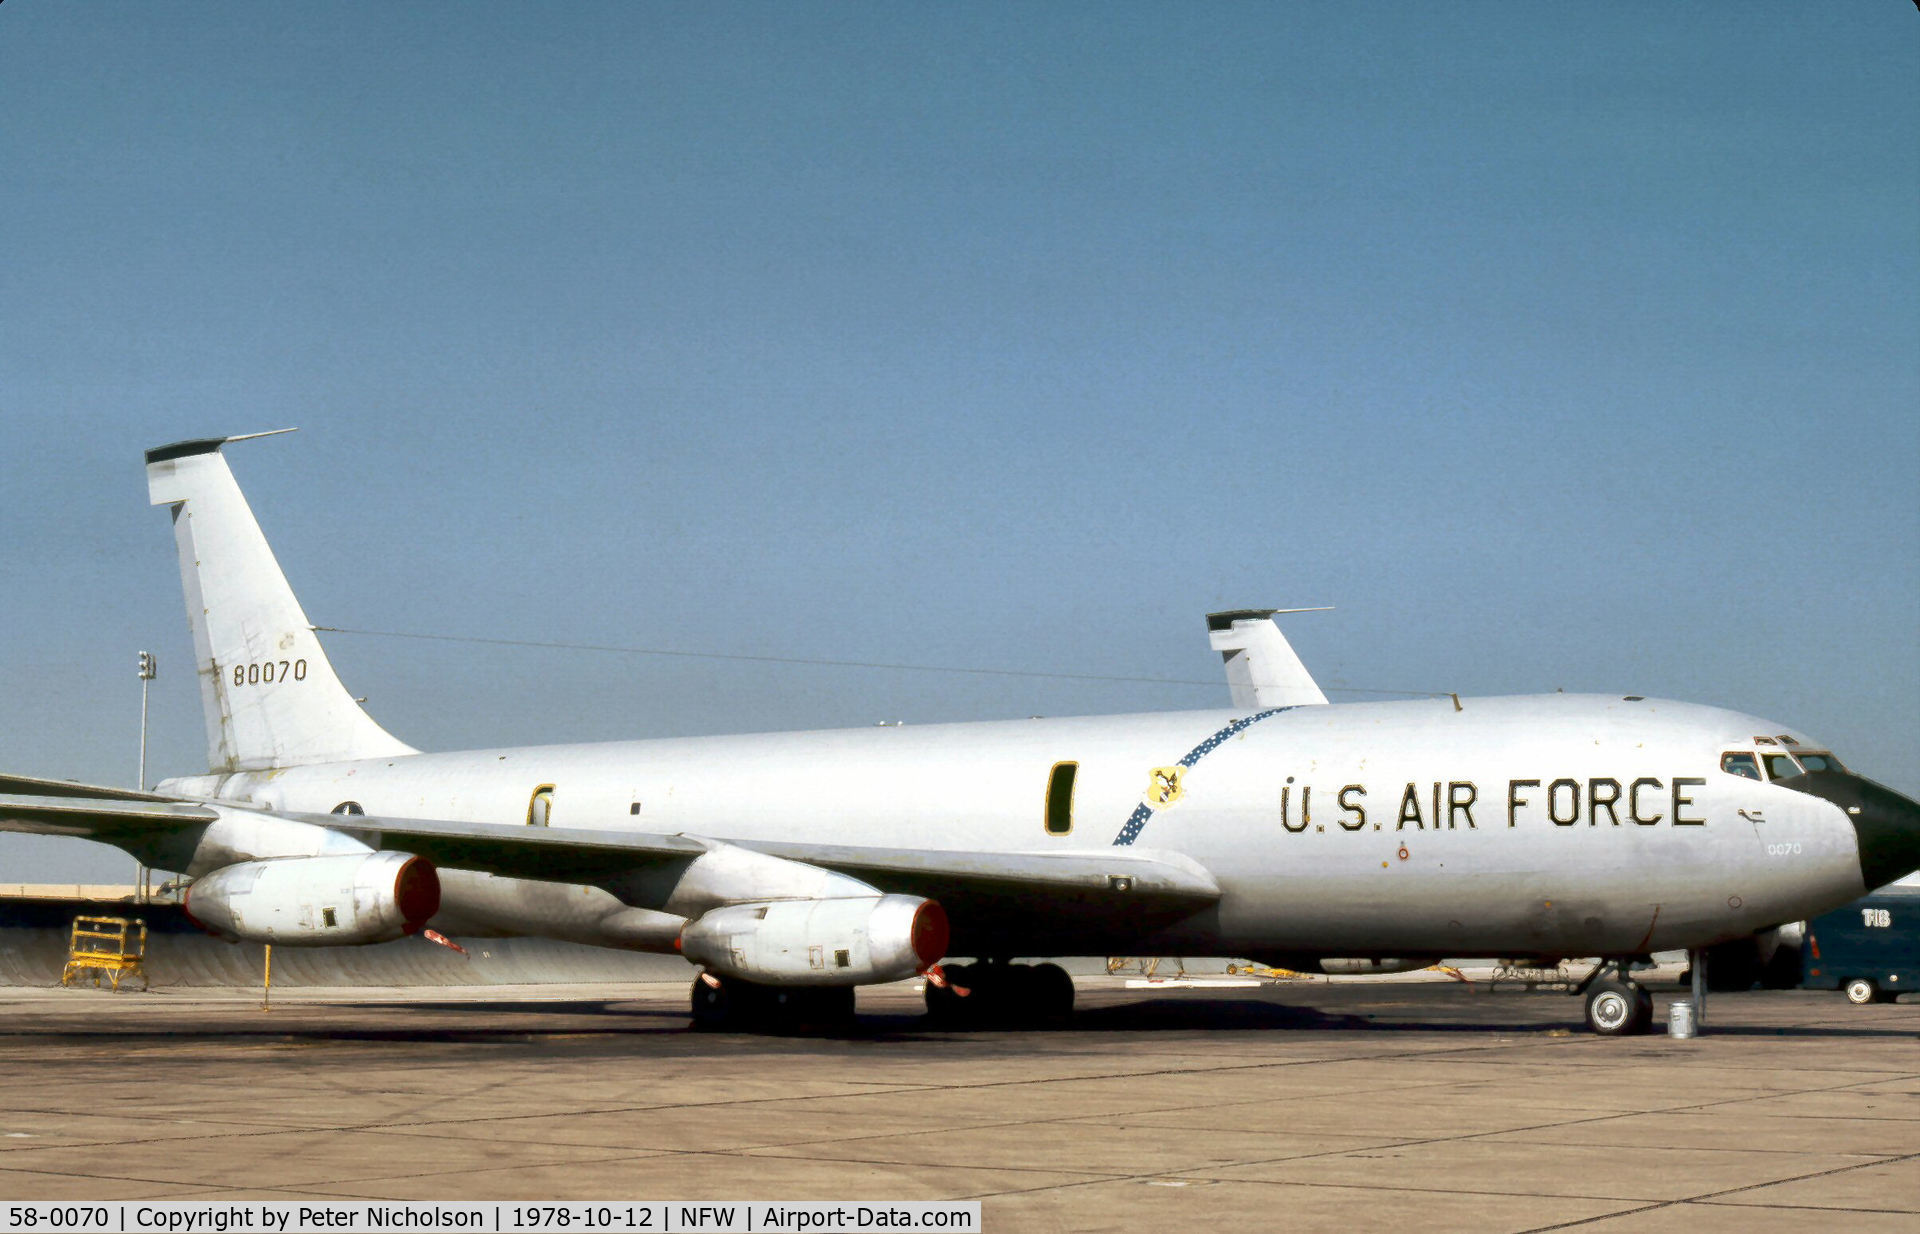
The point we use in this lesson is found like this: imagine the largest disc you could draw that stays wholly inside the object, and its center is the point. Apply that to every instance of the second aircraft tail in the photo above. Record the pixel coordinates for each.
(270, 696)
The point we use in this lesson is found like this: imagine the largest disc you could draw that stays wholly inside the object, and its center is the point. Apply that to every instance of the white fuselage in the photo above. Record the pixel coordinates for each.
(1539, 825)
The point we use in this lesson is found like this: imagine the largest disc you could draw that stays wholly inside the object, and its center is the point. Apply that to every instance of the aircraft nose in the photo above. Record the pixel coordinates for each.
(1886, 823)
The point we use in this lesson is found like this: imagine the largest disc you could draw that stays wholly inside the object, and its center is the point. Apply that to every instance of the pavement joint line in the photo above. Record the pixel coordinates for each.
(762, 1150)
(1798, 1208)
(650, 1155)
(932, 1129)
(752, 1152)
(1716, 1198)
(627, 1155)
(1609, 1116)
(980, 1086)
(1373, 1188)
(753, 1155)
(1644, 1205)
(390, 1124)
(1463, 1063)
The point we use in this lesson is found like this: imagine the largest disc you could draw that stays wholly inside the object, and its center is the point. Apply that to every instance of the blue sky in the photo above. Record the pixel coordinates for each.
(1559, 346)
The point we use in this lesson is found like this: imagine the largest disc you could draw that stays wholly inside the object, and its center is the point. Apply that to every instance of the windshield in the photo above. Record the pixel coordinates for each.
(1821, 761)
(1781, 766)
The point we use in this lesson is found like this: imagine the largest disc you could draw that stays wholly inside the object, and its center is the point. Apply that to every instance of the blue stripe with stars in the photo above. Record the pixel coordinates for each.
(1137, 821)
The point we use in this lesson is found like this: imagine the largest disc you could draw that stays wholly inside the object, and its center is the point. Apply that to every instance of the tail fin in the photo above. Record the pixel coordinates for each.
(271, 698)
(1263, 670)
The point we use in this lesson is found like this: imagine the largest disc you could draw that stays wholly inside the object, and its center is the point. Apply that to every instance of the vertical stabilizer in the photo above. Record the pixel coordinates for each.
(1263, 670)
(270, 696)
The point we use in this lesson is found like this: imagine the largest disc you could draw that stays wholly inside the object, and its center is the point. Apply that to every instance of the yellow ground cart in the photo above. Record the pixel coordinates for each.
(109, 948)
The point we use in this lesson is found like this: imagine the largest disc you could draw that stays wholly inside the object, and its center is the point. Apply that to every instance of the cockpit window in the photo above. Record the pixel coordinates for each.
(1819, 762)
(1740, 763)
(1780, 766)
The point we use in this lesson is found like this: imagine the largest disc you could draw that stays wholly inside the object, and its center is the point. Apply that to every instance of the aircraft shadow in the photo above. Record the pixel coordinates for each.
(613, 1018)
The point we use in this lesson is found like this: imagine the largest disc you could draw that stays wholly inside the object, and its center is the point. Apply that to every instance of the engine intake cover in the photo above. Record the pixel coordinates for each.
(858, 940)
(317, 901)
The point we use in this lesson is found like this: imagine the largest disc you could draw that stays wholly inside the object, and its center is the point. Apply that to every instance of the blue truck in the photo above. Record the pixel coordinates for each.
(1870, 949)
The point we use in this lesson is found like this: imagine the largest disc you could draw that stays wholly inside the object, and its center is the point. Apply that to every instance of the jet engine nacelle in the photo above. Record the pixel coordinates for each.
(857, 940)
(317, 901)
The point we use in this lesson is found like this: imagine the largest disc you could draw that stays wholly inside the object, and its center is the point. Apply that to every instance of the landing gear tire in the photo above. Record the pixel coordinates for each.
(944, 1005)
(1617, 1008)
(809, 1009)
(1002, 996)
(1050, 991)
(1642, 1010)
(1860, 991)
(739, 1006)
(717, 1005)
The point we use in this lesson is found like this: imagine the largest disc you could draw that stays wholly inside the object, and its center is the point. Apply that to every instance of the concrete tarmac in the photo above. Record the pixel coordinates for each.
(1295, 1106)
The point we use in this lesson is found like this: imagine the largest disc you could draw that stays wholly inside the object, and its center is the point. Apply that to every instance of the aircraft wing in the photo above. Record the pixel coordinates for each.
(551, 853)
(106, 819)
(1003, 902)
(578, 854)
(32, 786)
(993, 898)
(1015, 890)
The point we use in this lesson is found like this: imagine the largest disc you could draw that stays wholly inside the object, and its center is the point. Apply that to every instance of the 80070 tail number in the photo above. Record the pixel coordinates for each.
(266, 672)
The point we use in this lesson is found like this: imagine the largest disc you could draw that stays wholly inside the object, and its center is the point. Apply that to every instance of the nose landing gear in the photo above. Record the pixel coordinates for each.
(1617, 1005)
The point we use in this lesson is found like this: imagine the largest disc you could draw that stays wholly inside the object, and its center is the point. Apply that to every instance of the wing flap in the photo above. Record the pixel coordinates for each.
(549, 854)
(1160, 876)
(1007, 904)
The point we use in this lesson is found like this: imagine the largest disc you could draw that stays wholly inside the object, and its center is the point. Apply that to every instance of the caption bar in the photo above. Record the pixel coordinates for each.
(382, 1217)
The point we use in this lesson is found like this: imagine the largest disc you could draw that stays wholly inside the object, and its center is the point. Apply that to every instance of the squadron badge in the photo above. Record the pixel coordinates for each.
(1163, 785)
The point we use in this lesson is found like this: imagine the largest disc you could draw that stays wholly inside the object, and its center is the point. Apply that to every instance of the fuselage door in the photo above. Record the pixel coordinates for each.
(540, 807)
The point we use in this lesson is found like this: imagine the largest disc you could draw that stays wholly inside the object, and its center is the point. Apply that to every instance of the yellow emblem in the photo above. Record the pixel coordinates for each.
(1163, 785)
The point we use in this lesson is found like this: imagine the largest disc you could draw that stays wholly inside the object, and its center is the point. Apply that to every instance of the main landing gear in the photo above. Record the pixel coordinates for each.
(728, 1004)
(996, 994)
(1617, 1005)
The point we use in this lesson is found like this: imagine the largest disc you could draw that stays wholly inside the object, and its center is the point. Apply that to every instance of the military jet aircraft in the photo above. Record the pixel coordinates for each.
(794, 867)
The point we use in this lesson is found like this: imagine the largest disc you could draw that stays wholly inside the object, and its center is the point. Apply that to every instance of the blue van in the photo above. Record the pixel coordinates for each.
(1870, 949)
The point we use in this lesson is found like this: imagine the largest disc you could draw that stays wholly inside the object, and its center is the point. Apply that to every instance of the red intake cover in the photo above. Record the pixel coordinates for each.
(417, 892)
(930, 933)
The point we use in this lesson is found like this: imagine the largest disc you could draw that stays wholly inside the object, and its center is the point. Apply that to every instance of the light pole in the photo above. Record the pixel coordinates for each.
(149, 669)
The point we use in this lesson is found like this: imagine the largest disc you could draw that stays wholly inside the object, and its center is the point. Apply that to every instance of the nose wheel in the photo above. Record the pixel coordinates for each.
(1617, 1005)
(1617, 1008)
